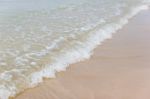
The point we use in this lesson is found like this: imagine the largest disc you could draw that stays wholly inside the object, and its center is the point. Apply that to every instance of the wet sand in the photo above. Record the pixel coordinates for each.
(118, 69)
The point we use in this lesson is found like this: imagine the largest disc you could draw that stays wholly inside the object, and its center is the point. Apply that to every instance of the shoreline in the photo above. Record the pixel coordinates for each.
(94, 60)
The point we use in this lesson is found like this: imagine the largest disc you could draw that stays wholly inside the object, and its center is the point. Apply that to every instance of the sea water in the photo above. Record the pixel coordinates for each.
(41, 37)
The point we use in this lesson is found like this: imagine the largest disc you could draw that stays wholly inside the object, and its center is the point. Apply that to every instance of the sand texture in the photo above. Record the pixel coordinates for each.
(118, 69)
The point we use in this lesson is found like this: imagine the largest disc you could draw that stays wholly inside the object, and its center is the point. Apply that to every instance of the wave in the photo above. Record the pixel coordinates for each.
(80, 53)
(71, 54)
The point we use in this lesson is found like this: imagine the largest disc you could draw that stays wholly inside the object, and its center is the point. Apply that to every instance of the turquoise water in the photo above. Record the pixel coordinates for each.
(41, 37)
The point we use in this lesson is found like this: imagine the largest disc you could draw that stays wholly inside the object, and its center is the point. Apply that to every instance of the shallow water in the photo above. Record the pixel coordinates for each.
(39, 38)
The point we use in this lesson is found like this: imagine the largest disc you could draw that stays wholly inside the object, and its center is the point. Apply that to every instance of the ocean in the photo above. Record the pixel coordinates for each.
(41, 37)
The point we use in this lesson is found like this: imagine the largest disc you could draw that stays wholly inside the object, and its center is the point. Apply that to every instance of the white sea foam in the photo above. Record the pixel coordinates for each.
(83, 52)
(80, 53)
(29, 65)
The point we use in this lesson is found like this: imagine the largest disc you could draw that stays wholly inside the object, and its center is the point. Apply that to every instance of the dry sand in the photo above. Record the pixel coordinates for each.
(119, 69)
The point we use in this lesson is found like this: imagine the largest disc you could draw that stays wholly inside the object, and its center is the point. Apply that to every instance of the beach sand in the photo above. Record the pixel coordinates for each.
(118, 69)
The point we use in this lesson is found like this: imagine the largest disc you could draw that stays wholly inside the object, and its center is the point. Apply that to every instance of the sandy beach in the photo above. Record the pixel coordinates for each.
(118, 69)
